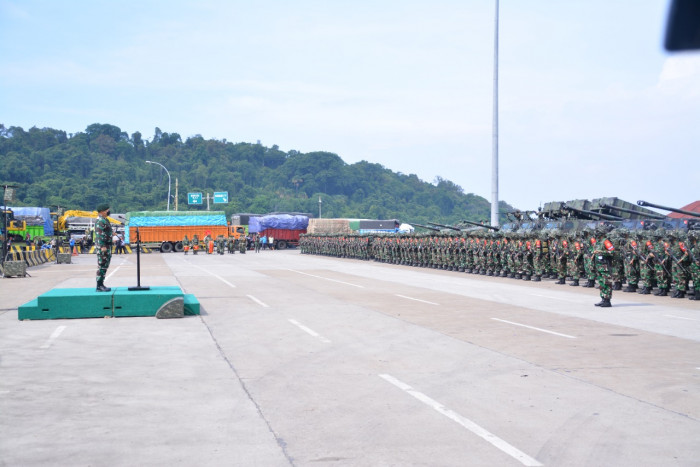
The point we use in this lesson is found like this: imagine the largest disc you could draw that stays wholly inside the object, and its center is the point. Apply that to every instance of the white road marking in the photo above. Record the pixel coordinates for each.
(124, 261)
(310, 331)
(264, 305)
(465, 422)
(682, 317)
(536, 329)
(417, 299)
(212, 274)
(113, 272)
(327, 279)
(53, 337)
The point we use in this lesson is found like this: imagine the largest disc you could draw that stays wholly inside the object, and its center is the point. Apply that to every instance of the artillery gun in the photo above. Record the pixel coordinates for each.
(447, 227)
(591, 214)
(426, 227)
(666, 208)
(490, 227)
(632, 211)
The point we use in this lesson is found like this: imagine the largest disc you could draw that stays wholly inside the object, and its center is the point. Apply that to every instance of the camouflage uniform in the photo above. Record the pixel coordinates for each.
(647, 266)
(103, 239)
(603, 262)
(588, 264)
(562, 259)
(539, 256)
(694, 253)
(528, 265)
(220, 242)
(631, 257)
(662, 264)
(680, 254)
(576, 253)
(618, 261)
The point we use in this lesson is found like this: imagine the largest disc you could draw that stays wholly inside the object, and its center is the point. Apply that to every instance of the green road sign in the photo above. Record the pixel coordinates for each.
(194, 198)
(220, 197)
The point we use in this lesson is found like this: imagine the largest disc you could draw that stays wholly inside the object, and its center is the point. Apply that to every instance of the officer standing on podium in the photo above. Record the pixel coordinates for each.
(103, 245)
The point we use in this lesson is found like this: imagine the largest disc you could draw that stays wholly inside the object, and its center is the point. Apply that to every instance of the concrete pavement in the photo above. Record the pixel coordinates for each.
(306, 360)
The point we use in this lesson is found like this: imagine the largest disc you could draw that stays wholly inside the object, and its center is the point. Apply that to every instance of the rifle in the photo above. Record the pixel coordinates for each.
(659, 262)
(677, 262)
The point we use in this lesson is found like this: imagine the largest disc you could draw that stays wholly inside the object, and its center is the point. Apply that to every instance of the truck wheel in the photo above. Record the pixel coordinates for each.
(166, 247)
(179, 247)
(281, 245)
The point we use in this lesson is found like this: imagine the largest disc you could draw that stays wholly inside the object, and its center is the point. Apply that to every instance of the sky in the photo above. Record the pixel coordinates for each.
(590, 104)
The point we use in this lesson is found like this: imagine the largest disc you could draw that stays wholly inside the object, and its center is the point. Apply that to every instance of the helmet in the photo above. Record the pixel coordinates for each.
(602, 229)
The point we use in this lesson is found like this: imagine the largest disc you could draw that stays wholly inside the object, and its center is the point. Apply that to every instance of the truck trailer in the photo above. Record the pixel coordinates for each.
(283, 228)
(165, 230)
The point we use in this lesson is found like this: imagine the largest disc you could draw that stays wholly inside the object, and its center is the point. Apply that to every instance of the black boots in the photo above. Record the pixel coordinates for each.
(617, 286)
(589, 284)
(661, 293)
(678, 294)
(645, 290)
(604, 303)
(574, 283)
(631, 288)
(101, 287)
(561, 281)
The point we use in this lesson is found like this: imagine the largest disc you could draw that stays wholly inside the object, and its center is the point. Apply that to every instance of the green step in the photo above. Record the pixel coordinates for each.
(119, 302)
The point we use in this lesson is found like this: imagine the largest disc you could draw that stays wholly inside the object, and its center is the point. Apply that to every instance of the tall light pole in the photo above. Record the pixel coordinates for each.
(319, 207)
(494, 154)
(166, 171)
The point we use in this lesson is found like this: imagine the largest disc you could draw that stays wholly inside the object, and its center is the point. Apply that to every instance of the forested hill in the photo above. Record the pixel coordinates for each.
(103, 163)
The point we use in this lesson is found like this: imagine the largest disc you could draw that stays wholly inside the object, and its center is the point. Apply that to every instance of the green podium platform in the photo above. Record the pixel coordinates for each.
(161, 302)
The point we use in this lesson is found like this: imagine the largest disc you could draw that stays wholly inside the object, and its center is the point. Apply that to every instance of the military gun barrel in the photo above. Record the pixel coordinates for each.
(482, 225)
(666, 208)
(451, 227)
(424, 226)
(593, 214)
(631, 211)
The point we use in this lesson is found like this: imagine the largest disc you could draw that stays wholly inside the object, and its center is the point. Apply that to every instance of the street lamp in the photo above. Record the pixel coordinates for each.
(166, 171)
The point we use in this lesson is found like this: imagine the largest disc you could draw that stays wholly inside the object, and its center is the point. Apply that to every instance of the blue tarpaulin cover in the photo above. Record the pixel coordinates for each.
(278, 221)
(175, 218)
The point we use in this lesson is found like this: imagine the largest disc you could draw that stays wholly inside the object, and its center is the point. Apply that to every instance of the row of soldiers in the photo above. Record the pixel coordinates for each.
(656, 261)
(208, 243)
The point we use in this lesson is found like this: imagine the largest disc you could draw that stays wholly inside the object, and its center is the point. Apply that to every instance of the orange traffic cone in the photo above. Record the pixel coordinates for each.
(75, 251)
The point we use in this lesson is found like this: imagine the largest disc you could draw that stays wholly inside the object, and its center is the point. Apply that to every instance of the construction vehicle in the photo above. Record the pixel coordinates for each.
(74, 223)
(16, 230)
